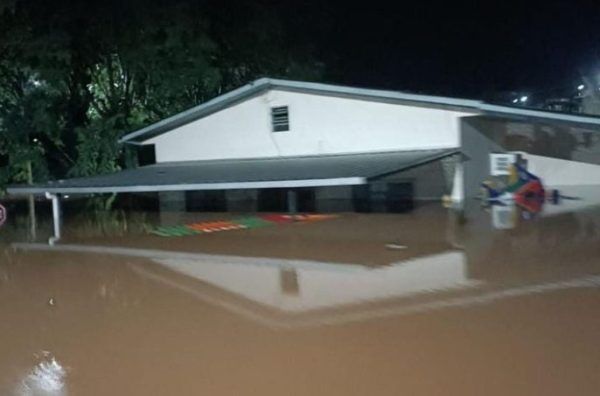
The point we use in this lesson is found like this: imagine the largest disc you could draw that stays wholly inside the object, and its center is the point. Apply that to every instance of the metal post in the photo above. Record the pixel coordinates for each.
(56, 216)
(292, 200)
(31, 202)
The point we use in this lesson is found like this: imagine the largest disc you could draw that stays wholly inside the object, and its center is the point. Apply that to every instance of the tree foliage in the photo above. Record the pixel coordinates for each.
(75, 76)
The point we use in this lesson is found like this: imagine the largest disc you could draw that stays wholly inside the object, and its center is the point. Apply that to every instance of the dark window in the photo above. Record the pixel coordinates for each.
(280, 119)
(146, 154)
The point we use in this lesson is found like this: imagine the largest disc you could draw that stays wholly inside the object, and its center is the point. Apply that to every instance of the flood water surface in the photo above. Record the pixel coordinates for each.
(424, 303)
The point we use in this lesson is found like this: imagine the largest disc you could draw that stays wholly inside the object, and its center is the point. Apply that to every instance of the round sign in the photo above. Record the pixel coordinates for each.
(2, 215)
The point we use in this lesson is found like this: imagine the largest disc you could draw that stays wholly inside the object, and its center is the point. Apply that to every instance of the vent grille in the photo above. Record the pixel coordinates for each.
(280, 119)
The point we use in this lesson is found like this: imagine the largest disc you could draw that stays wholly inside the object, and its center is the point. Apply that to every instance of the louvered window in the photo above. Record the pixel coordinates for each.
(280, 119)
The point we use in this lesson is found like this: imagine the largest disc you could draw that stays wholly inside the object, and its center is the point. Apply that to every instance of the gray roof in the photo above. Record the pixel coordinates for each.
(310, 171)
(264, 84)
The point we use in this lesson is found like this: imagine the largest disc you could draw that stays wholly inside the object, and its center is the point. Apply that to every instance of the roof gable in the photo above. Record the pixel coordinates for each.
(264, 84)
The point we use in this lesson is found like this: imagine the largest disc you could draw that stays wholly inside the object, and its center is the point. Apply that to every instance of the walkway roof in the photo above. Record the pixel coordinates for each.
(289, 172)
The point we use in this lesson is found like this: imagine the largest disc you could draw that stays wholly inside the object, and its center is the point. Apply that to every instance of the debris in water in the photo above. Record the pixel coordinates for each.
(395, 246)
(51, 302)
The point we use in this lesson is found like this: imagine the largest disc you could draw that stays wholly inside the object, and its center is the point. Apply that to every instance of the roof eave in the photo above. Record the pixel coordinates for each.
(40, 190)
(194, 113)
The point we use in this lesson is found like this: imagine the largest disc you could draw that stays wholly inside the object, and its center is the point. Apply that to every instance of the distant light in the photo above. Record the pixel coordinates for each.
(523, 99)
(35, 140)
(580, 87)
(66, 197)
(515, 100)
(36, 83)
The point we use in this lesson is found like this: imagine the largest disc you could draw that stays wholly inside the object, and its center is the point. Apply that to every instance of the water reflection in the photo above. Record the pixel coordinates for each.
(253, 309)
(454, 270)
(295, 293)
(508, 215)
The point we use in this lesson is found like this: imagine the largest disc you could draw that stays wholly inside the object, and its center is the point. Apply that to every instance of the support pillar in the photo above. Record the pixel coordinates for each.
(458, 186)
(31, 201)
(32, 218)
(292, 201)
(56, 216)
(172, 207)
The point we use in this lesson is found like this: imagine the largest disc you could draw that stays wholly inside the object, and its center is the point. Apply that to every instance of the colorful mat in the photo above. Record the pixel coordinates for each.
(237, 224)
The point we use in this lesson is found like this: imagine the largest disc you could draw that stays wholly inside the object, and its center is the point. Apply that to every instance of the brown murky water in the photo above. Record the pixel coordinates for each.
(457, 307)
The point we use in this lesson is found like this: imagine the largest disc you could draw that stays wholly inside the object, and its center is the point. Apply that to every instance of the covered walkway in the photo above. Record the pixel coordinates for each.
(255, 173)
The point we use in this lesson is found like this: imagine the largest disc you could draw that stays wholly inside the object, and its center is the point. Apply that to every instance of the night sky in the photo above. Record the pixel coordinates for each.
(451, 48)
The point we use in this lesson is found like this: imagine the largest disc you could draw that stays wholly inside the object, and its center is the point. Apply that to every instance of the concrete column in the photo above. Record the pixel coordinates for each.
(292, 201)
(172, 207)
(458, 186)
(32, 218)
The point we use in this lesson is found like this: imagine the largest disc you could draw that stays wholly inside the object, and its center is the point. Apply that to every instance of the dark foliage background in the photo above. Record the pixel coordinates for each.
(76, 75)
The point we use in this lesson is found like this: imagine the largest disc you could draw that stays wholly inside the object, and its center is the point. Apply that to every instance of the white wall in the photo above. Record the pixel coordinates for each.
(560, 172)
(476, 148)
(318, 125)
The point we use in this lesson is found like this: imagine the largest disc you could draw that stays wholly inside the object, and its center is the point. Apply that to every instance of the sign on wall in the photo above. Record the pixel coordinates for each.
(500, 163)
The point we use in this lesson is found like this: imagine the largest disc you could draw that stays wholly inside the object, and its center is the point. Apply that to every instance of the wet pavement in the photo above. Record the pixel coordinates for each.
(425, 303)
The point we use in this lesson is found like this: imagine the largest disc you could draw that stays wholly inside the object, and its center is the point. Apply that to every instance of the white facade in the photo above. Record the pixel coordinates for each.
(556, 172)
(319, 124)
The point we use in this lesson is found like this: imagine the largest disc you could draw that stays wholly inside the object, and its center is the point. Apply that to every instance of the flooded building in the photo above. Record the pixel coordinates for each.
(478, 301)
(276, 145)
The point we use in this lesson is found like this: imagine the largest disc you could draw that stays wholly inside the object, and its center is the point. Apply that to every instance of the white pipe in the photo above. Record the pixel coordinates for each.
(56, 215)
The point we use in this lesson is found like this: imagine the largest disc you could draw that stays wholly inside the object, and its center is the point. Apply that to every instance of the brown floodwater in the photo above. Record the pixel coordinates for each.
(424, 303)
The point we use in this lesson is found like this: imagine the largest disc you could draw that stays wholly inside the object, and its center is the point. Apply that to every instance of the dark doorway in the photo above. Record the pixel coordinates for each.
(276, 199)
(399, 197)
(306, 200)
(272, 200)
(361, 196)
(383, 197)
(206, 201)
